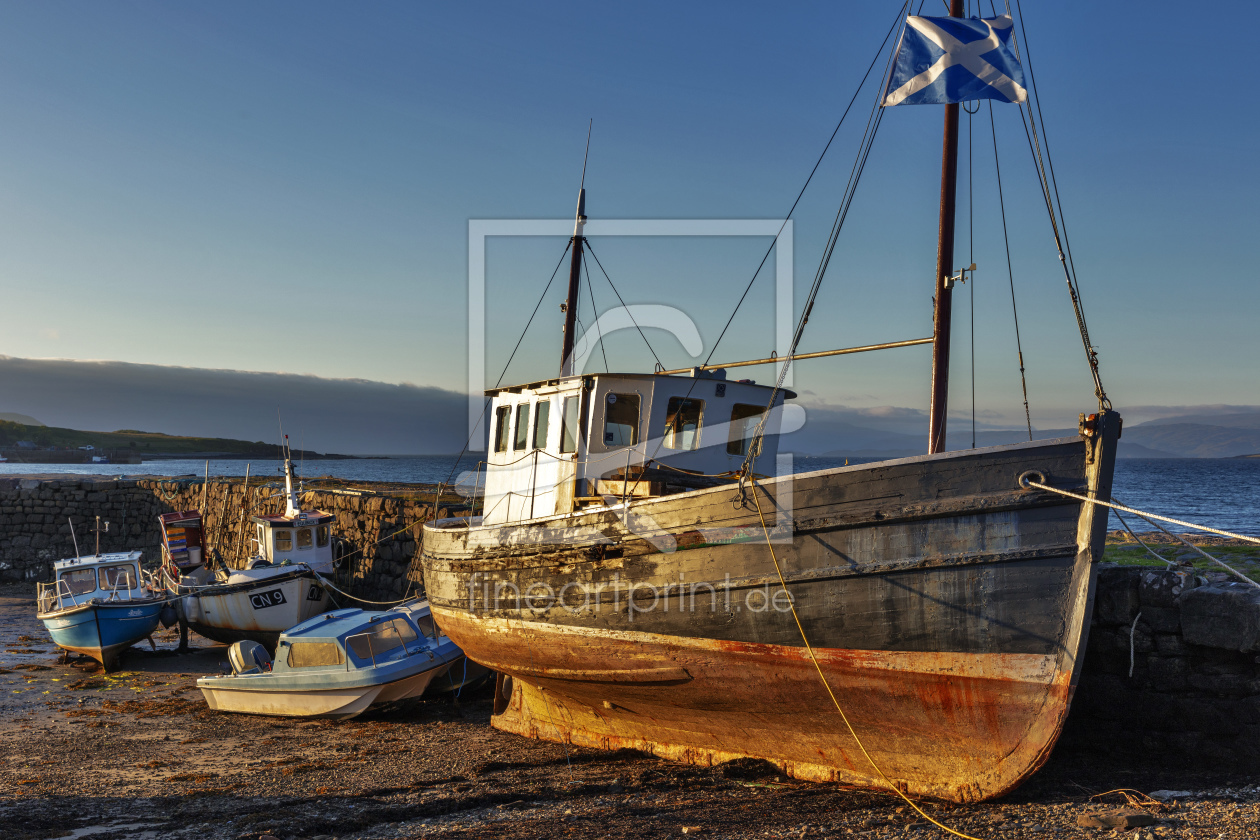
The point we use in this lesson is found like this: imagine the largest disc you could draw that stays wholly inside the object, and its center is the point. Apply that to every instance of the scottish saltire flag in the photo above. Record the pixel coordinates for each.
(942, 60)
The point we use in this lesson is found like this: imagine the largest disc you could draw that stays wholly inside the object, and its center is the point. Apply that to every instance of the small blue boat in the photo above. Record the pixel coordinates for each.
(97, 606)
(339, 664)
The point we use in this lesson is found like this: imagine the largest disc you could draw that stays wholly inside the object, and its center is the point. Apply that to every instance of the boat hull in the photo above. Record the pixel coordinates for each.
(257, 611)
(228, 695)
(946, 605)
(103, 630)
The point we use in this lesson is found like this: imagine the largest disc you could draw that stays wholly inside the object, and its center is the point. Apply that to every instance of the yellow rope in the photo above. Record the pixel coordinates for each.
(810, 650)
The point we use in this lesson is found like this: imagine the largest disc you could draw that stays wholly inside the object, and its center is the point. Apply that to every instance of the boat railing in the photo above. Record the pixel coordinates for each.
(56, 592)
(113, 592)
(371, 649)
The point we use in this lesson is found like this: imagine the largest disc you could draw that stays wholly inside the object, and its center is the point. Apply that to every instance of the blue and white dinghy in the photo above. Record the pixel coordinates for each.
(97, 606)
(337, 665)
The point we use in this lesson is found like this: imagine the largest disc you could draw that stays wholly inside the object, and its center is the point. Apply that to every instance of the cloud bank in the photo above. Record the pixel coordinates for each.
(349, 416)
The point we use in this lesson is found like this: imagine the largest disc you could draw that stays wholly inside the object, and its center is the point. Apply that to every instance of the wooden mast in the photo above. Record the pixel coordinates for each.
(944, 269)
(570, 305)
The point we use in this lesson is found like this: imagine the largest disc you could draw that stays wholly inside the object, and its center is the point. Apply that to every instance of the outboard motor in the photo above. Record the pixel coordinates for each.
(249, 658)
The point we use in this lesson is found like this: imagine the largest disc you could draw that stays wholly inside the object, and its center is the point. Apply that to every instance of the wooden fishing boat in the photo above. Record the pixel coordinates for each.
(280, 586)
(98, 606)
(637, 584)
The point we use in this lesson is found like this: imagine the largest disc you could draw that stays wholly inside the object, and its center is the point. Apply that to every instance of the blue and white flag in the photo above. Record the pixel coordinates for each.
(942, 60)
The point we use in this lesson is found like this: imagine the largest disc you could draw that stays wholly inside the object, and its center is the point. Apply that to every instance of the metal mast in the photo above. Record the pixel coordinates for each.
(944, 269)
(570, 305)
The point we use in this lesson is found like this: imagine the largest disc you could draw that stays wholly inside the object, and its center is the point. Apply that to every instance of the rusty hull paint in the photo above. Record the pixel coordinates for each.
(948, 608)
(923, 717)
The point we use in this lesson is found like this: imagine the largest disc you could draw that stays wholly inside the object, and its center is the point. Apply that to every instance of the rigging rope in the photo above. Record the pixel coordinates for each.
(971, 260)
(622, 302)
(873, 122)
(438, 497)
(896, 23)
(590, 290)
(1050, 192)
(1010, 272)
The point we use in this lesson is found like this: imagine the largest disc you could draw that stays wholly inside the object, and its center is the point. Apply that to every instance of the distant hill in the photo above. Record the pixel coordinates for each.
(145, 444)
(1206, 435)
(24, 419)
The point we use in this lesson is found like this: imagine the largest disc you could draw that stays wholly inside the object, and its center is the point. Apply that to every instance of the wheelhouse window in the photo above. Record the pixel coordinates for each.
(79, 581)
(314, 655)
(621, 420)
(521, 439)
(542, 416)
(118, 577)
(384, 638)
(682, 423)
(502, 417)
(304, 538)
(321, 536)
(744, 419)
(569, 424)
(284, 540)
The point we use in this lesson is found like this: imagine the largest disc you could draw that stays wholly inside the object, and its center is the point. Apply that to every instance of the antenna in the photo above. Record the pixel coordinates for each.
(283, 436)
(99, 530)
(582, 185)
(77, 556)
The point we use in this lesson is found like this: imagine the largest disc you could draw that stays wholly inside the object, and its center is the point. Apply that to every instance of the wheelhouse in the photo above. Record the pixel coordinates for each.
(100, 577)
(300, 537)
(559, 445)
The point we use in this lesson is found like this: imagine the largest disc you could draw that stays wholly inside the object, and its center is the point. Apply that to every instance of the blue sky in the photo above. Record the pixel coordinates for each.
(287, 187)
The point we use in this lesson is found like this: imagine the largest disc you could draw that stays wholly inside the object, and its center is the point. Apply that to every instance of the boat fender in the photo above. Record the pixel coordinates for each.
(248, 658)
(259, 563)
(168, 616)
(340, 550)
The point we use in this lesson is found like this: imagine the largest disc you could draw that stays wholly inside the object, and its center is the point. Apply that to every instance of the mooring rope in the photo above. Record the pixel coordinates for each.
(814, 659)
(1028, 482)
(1152, 551)
(1149, 517)
(325, 582)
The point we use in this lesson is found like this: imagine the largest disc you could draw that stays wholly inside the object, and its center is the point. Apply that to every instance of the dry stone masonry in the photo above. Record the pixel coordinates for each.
(1172, 670)
(380, 532)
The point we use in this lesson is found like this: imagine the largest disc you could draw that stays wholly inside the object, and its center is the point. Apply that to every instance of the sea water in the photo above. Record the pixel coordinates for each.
(1221, 492)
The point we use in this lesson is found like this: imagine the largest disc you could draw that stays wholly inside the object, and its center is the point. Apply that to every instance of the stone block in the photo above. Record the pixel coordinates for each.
(1168, 673)
(1163, 588)
(1222, 615)
(1226, 685)
(1171, 644)
(1115, 598)
(1160, 619)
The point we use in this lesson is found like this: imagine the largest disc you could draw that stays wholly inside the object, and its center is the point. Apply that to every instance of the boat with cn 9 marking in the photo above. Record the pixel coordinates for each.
(339, 664)
(281, 586)
(97, 605)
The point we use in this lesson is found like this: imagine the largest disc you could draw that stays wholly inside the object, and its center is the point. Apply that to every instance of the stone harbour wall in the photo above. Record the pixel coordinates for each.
(1172, 669)
(380, 531)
